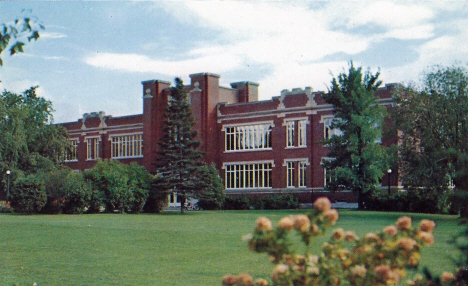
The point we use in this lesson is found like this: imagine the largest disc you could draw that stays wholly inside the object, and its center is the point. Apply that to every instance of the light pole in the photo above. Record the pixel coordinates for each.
(8, 184)
(389, 171)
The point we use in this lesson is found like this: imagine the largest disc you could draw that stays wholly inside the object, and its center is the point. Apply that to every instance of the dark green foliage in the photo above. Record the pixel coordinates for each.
(28, 195)
(79, 194)
(12, 35)
(414, 201)
(118, 186)
(237, 202)
(459, 203)
(211, 189)
(268, 202)
(358, 161)
(158, 196)
(433, 119)
(179, 159)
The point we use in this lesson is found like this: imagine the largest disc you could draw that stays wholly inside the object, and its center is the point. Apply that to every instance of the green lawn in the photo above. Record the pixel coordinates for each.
(166, 249)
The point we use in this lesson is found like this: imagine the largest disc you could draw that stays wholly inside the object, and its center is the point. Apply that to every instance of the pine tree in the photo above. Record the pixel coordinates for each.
(357, 159)
(179, 160)
(211, 188)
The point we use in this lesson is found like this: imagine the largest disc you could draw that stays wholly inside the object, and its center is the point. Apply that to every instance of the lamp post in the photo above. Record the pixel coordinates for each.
(389, 171)
(8, 183)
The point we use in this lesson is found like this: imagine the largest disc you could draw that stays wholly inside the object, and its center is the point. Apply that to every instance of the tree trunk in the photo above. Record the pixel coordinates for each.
(183, 199)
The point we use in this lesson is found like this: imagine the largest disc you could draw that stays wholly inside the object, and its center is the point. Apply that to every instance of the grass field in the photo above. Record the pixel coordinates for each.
(166, 249)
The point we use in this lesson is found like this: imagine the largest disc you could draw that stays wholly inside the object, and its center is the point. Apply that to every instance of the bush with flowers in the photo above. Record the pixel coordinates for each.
(380, 258)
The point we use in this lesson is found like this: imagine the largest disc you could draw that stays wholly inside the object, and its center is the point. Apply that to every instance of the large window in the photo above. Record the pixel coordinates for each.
(72, 155)
(248, 137)
(328, 130)
(248, 176)
(296, 173)
(127, 146)
(296, 133)
(92, 144)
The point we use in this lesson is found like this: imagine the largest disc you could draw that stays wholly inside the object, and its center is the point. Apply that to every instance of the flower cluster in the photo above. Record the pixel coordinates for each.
(378, 258)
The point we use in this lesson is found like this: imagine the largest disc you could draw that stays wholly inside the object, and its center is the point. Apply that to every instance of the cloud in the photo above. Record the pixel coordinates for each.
(52, 35)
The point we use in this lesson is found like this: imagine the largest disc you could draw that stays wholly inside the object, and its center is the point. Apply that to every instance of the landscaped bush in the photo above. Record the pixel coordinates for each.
(238, 202)
(417, 201)
(117, 186)
(268, 202)
(211, 195)
(28, 195)
(79, 194)
(157, 198)
(459, 203)
(380, 258)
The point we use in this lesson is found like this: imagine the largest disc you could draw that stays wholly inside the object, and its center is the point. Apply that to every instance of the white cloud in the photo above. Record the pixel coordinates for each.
(52, 35)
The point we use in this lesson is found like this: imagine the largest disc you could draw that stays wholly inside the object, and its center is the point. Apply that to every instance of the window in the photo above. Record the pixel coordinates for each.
(290, 134)
(71, 155)
(296, 133)
(296, 173)
(248, 137)
(127, 146)
(248, 176)
(328, 131)
(92, 144)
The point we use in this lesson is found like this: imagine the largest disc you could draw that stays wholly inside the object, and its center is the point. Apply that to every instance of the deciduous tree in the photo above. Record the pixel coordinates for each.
(357, 158)
(433, 118)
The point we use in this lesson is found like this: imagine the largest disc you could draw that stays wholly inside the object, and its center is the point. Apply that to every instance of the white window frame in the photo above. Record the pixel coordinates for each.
(73, 157)
(296, 179)
(296, 139)
(248, 175)
(327, 121)
(125, 146)
(248, 137)
(93, 144)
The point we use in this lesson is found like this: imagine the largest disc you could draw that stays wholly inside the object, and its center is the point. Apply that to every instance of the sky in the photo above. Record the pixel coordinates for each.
(93, 55)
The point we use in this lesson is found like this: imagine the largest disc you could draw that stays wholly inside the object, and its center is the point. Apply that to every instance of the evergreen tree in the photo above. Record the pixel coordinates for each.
(211, 189)
(179, 159)
(357, 159)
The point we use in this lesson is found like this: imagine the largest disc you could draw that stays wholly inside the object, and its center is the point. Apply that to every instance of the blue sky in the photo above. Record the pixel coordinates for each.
(93, 56)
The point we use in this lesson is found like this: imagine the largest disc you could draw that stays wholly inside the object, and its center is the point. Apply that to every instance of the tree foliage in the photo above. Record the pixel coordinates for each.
(119, 186)
(14, 34)
(357, 158)
(433, 119)
(179, 158)
(211, 189)
(29, 141)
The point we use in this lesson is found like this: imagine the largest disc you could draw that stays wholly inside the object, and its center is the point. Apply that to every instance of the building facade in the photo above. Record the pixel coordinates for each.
(259, 147)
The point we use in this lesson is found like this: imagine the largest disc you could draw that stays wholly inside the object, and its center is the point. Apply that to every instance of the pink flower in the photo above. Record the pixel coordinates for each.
(338, 234)
(447, 276)
(244, 279)
(286, 223)
(427, 225)
(390, 230)
(263, 224)
(407, 243)
(331, 216)
(322, 204)
(359, 271)
(302, 223)
(229, 280)
(426, 237)
(404, 222)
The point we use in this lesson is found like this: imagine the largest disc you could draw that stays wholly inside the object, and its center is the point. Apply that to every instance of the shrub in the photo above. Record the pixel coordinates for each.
(28, 195)
(459, 203)
(211, 194)
(278, 202)
(238, 202)
(79, 194)
(379, 258)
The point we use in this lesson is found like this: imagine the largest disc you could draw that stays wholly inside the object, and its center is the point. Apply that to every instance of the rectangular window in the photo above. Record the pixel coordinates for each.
(248, 176)
(296, 173)
(92, 144)
(296, 132)
(290, 134)
(290, 175)
(328, 131)
(72, 155)
(302, 130)
(248, 137)
(127, 146)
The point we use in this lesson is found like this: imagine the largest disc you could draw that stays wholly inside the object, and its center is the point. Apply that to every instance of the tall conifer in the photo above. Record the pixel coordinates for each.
(179, 159)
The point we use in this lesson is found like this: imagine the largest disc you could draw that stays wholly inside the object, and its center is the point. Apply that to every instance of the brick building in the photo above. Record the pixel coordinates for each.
(259, 147)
